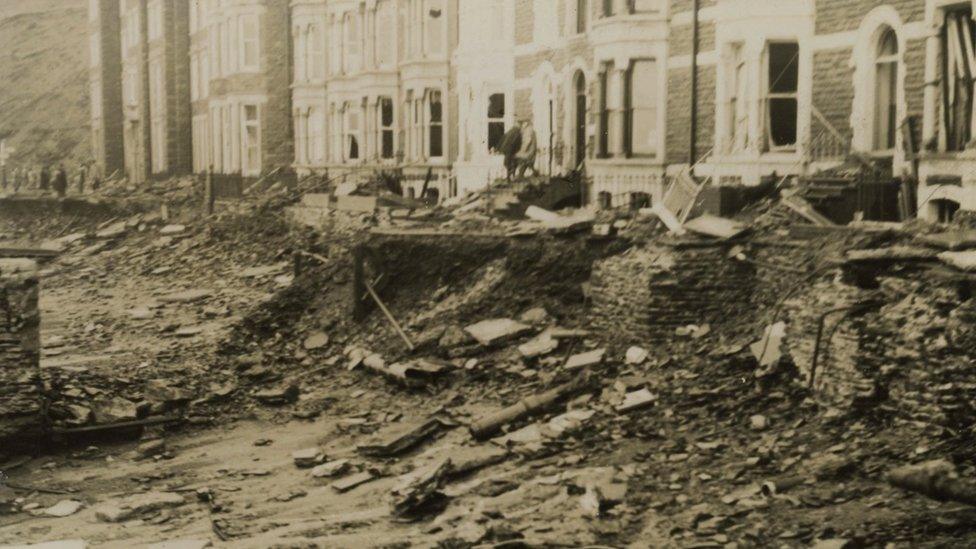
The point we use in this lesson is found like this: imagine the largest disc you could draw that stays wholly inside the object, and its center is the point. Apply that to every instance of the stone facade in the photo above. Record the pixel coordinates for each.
(105, 84)
(22, 403)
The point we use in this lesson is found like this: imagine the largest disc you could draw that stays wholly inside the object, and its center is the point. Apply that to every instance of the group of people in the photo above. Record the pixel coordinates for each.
(519, 147)
(44, 180)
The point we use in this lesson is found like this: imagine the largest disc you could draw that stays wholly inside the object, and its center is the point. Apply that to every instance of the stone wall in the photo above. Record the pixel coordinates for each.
(22, 405)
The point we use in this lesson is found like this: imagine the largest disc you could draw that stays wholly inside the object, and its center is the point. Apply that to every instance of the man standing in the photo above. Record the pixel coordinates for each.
(82, 176)
(528, 150)
(44, 183)
(60, 181)
(509, 147)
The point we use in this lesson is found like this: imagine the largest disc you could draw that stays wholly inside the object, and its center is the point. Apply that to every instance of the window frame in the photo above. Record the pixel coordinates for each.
(433, 125)
(495, 121)
(892, 62)
(246, 143)
(769, 96)
(629, 109)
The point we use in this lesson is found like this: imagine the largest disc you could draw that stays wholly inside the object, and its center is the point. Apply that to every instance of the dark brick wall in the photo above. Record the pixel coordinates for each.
(833, 90)
(679, 113)
(179, 137)
(680, 39)
(276, 125)
(846, 15)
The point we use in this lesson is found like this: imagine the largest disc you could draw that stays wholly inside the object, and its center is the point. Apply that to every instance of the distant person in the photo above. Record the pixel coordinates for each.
(82, 177)
(528, 150)
(60, 181)
(44, 179)
(510, 144)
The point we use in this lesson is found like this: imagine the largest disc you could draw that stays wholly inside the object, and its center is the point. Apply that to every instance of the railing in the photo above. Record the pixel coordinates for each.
(828, 143)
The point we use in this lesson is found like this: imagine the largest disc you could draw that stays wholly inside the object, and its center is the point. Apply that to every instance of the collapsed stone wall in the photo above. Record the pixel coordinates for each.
(648, 293)
(22, 407)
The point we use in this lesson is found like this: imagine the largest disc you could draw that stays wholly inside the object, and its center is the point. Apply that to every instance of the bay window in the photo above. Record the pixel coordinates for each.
(496, 120)
(250, 42)
(436, 124)
(640, 134)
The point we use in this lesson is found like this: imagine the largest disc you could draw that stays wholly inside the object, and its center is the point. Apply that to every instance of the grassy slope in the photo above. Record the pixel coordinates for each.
(43, 80)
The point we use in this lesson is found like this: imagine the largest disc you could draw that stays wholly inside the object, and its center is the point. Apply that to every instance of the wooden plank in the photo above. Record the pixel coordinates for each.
(802, 207)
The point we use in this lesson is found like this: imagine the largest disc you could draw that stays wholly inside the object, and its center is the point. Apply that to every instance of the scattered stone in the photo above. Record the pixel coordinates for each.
(309, 457)
(188, 331)
(278, 395)
(131, 506)
(641, 398)
(453, 337)
(494, 332)
(399, 438)
(316, 341)
(837, 543)
(186, 296)
(152, 448)
(113, 231)
(172, 229)
(331, 469)
(64, 508)
(540, 345)
(636, 355)
(536, 315)
(294, 494)
(140, 313)
(585, 360)
(758, 422)
(350, 482)
(181, 544)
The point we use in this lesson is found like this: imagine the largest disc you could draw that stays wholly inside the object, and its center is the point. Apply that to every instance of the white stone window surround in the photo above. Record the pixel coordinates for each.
(754, 24)
(864, 62)
(568, 82)
(621, 56)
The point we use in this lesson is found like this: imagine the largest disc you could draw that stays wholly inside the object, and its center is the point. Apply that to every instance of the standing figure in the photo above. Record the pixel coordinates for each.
(82, 177)
(60, 181)
(526, 154)
(509, 147)
(44, 181)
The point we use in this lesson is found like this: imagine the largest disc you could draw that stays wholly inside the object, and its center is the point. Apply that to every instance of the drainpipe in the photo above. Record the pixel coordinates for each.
(693, 133)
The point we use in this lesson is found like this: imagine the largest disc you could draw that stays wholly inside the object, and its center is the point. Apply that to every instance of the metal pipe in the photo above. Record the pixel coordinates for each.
(693, 133)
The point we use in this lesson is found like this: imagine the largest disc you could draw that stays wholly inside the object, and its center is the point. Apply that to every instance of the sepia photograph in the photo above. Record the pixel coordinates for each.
(488, 274)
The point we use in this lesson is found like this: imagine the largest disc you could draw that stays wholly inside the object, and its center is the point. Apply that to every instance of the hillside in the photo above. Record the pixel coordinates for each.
(43, 76)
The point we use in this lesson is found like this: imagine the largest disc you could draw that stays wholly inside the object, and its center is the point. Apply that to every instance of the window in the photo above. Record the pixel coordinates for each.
(614, 112)
(496, 120)
(641, 119)
(411, 122)
(250, 42)
(581, 16)
(386, 127)
(944, 210)
(352, 45)
(316, 53)
(885, 86)
(433, 17)
(436, 144)
(608, 8)
(385, 33)
(781, 99)
(251, 138)
(604, 141)
(957, 85)
(736, 114)
(352, 132)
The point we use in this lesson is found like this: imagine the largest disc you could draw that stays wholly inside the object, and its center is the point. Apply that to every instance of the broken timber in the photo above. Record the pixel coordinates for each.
(936, 479)
(488, 425)
(389, 315)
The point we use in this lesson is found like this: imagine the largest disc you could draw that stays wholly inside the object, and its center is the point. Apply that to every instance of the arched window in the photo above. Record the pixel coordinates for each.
(885, 91)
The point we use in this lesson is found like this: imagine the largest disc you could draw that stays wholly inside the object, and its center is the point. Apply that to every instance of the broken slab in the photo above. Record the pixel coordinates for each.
(642, 398)
(636, 355)
(398, 438)
(769, 349)
(423, 490)
(186, 296)
(668, 218)
(540, 345)
(114, 410)
(316, 340)
(951, 240)
(331, 468)
(542, 215)
(585, 360)
(964, 261)
(114, 230)
(718, 227)
(172, 229)
(131, 506)
(350, 482)
(181, 544)
(64, 508)
(350, 203)
(264, 270)
(497, 331)
(892, 253)
(307, 457)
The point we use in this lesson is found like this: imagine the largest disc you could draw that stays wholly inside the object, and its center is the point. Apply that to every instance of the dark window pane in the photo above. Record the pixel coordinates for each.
(386, 108)
(435, 107)
(387, 143)
(782, 122)
(436, 147)
(496, 105)
(496, 130)
(784, 67)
